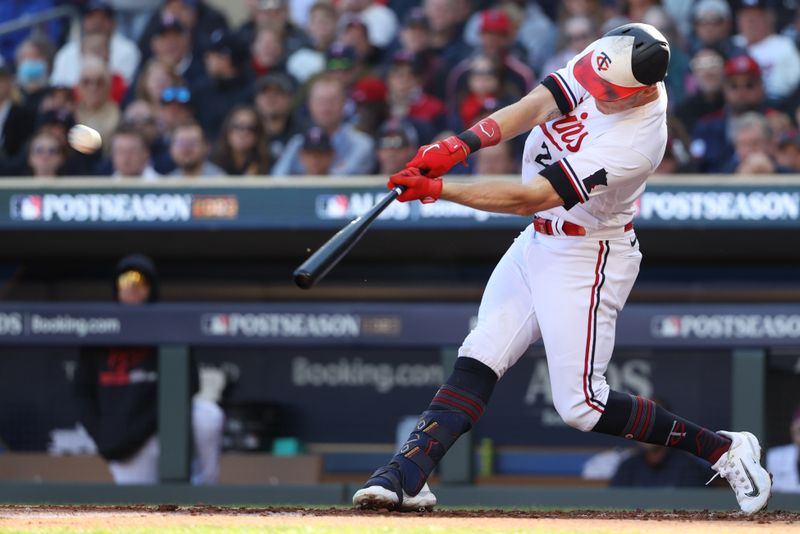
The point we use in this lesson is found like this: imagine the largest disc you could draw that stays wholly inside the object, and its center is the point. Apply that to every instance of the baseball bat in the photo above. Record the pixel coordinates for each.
(328, 255)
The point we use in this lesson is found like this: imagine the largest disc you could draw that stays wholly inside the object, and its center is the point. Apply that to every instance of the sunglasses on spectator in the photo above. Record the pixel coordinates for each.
(176, 94)
(49, 150)
(243, 126)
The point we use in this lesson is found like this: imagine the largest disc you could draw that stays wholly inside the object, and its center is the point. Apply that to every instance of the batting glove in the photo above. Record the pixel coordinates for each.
(439, 157)
(418, 187)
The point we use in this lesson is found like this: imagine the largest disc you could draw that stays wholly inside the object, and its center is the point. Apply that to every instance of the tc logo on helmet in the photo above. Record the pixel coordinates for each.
(603, 61)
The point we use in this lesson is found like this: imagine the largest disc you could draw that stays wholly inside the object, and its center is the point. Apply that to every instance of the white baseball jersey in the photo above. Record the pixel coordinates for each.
(568, 289)
(597, 163)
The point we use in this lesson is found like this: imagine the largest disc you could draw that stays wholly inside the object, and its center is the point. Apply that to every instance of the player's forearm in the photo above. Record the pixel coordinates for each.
(536, 107)
(503, 197)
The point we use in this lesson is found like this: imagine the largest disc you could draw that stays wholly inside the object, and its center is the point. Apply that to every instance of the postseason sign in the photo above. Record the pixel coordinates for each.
(281, 206)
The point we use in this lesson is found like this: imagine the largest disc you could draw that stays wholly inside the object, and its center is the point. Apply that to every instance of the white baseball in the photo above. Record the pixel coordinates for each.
(84, 139)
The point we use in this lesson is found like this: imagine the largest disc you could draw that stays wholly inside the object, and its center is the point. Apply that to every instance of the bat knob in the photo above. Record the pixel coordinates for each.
(303, 279)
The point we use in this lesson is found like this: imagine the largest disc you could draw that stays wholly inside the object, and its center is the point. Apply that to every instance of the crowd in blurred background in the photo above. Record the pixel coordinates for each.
(353, 87)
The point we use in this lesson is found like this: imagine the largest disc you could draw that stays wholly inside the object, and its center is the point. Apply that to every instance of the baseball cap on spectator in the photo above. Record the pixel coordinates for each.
(495, 21)
(396, 133)
(57, 116)
(707, 9)
(416, 19)
(169, 23)
(180, 95)
(367, 90)
(316, 140)
(340, 57)
(98, 5)
(351, 20)
(742, 64)
(274, 80)
(227, 44)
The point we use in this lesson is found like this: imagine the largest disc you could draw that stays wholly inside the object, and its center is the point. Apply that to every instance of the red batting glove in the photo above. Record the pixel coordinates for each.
(439, 157)
(418, 187)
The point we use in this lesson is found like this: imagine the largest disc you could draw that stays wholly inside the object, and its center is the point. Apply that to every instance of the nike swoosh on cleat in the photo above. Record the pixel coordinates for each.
(755, 492)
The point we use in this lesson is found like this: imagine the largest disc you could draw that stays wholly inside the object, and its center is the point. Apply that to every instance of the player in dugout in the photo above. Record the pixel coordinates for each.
(599, 130)
(117, 396)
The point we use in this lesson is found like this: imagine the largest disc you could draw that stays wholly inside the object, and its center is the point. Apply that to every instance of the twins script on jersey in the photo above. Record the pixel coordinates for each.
(597, 163)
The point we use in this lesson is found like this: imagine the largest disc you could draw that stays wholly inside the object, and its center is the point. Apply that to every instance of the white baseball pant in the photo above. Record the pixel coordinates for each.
(207, 422)
(567, 291)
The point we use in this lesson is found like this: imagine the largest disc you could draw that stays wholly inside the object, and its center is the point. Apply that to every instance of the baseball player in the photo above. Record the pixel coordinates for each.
(599, 130)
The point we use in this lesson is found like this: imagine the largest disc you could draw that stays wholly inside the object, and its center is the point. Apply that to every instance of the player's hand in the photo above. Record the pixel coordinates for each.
(436, 159)
(418, 187)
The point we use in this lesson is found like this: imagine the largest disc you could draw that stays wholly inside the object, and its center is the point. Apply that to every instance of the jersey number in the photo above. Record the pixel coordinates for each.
(544, 158)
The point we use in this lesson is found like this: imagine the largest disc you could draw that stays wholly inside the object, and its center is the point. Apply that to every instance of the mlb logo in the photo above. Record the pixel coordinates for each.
(216, 324)
(667, 326)
(332, 206)
(26, 207)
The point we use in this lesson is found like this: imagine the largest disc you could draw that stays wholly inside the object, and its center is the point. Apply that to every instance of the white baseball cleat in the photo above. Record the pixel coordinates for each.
(741, 467)
(378, 498)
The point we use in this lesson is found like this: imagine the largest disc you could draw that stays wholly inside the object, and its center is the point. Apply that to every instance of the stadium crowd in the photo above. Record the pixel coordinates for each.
(353, 87)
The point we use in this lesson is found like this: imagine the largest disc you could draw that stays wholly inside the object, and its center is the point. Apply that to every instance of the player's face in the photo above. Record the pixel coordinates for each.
(624, 104)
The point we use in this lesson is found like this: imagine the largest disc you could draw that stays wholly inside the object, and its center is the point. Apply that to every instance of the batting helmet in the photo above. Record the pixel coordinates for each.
(623, 62)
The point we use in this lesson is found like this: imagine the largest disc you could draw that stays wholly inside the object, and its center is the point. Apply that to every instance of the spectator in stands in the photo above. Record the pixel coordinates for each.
(397, 143)
(16, 121)
(321, 30)
(407, 96)
(123, 56)
(242, 147)
(196, 17)
(379, 21)
(117, 395)
(743, 91)
(677, 158)
(708, 75)
(142, 115)
(712, 28)
(445, 30)
(273, 103)
(95, 107)
(784, 461)
(341, 62)
(154, 77)
(416, 40)
(354, 149)
(58, 97)
(272, 14)
(228, 84)
(353, 33)
(34, 58)
(497, 36)
(776, 54)
(369, 96)
(171, 46)
(190, 150)
(576, 34)
(484, 87)
(316, 152)
(787, 154)
(497, 160)
(46, 156)
(267, 53)
(130, 155)
(754, 149)
(95, 44)
(176, 109)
